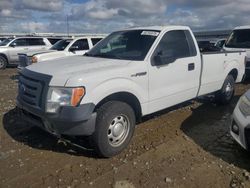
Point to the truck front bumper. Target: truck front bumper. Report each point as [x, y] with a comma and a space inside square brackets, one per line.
[72, 121]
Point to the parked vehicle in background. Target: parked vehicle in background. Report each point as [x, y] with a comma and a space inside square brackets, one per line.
[54, 40]
[66, 47]
[240, 40]
[207, 46]
[9, 48]
[2, 39]
[129, 74]
[220, 43]
[240, 127]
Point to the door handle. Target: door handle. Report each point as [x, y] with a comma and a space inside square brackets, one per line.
[191, 66]
[26, 48]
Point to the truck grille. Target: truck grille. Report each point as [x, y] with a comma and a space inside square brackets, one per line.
[32, 88]
[24, 60]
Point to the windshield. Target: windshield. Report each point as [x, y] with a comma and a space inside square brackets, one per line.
[239, 39]
[128, 45]
[61, 45]
[5, 41]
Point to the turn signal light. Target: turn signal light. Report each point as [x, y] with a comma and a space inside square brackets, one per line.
[77, 95]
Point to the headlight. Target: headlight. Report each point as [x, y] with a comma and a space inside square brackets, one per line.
[244, 106]
[34, 59]
[58, 97]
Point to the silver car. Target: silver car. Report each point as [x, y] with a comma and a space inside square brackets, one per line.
[240, 127]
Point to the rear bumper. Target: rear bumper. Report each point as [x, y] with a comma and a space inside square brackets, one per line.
[72, 121]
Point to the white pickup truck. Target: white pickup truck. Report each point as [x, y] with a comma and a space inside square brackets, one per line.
[63, 48]
[129, 74]
[240, 40]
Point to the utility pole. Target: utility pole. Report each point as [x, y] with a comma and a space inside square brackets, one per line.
[67, 19]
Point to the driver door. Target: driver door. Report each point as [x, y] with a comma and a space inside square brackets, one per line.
[79, 47]
[177, 79]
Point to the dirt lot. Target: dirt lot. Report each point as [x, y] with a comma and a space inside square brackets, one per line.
[182, 147]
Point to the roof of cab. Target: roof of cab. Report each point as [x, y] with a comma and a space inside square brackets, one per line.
[242, 27]
[159, 28]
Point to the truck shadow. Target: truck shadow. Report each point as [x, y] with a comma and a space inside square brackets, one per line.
[208, 126]
[39, 139]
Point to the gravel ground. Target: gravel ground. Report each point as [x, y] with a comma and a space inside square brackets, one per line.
[186, 146]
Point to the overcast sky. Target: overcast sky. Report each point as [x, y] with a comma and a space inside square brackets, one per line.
[103, 16]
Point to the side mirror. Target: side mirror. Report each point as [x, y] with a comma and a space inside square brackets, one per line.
[73, 48]
[161, 59]
[13, 44]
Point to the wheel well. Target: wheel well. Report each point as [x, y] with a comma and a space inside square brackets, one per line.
[126, 97]
[3, 55]
[234, 73]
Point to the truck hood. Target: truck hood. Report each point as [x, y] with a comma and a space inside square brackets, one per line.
[37, 52]
[50, 55]
[65, 68]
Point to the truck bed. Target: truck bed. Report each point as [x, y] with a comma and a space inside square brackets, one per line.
[215, 63]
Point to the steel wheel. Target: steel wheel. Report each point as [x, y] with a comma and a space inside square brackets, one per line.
[118, 130]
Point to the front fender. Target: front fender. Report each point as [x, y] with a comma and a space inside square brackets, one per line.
[113, 86]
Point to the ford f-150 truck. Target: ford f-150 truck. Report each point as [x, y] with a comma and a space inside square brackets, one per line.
[129, 74]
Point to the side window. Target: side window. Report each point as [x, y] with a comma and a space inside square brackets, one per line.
[81, 44]
[119, 42]
[36, 42]
[176, 44]
[19, 42]
[95, 40]
[191, 44]
[54, 40]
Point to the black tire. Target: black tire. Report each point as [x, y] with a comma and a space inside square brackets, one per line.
[3, 62]
[226, 94]
[108, 125]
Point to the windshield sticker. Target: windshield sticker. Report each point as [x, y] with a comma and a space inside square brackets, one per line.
[150, 33]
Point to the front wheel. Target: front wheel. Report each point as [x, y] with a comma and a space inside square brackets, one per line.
[3, 62]
[115, 126]
[226, 94]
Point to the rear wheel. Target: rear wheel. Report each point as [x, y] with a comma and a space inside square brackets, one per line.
[226, 94]
[3, 62]
[115, 126]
